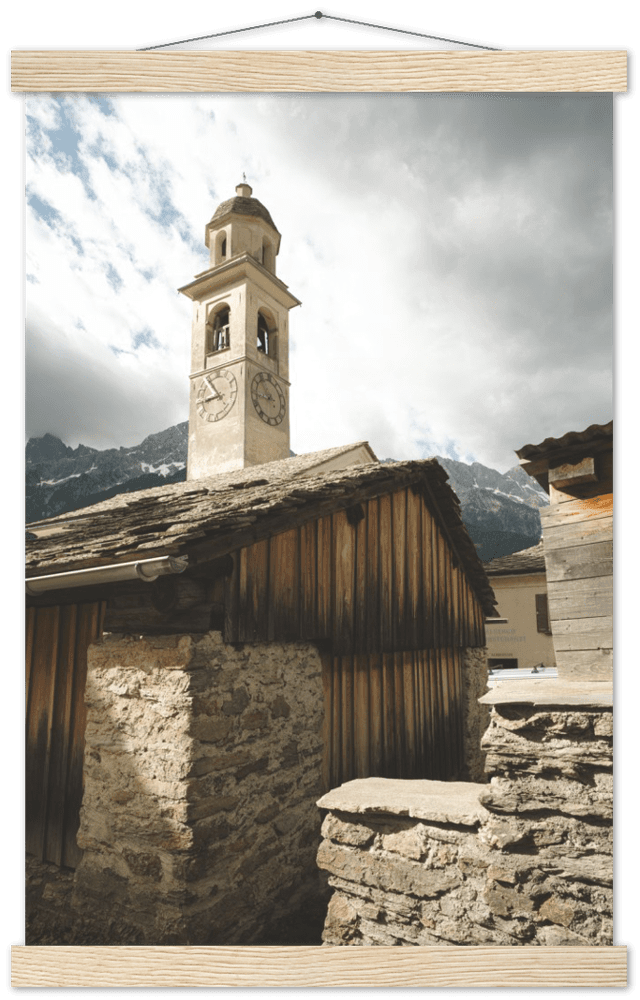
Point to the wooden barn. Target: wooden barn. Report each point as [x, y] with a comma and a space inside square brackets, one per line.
[577, 472]
[345, 613]
[372, 564]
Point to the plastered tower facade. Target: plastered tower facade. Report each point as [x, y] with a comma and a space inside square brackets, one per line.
[239, 382]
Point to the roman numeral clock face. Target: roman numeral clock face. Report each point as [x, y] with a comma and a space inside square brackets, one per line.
[268, 399]
[216, 395]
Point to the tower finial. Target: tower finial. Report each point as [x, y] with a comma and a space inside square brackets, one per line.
[244, 190]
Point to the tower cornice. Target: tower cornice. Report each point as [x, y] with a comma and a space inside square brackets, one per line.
[242, 266]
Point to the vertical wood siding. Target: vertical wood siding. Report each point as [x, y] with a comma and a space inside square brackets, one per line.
[393, 715]
[382, 582]
[381, 587]
[56, 668]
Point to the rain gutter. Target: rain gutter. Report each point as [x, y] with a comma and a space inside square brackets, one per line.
[141, 569]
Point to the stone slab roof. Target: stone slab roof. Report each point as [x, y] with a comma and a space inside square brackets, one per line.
[525, 561]
[550, 445]
[233, 509]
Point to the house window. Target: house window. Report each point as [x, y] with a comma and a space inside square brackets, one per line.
[542, 614]
[218, 331]
[503, 664]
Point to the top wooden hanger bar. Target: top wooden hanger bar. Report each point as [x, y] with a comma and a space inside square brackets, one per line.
[373, 71]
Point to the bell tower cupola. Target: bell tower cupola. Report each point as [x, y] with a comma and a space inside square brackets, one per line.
[239, 382]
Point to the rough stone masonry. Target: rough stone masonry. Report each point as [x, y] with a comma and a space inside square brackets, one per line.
[523, 860]
[202, 766]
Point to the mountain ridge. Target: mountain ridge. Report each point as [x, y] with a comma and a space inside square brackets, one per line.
[500, 510]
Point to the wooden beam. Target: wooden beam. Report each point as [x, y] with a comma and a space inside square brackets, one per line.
[177, 605]
[573, 474]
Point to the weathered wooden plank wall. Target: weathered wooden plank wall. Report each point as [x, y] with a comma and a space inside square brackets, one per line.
[393, 715]
[578, 532]
[57, 642]
[380, 577]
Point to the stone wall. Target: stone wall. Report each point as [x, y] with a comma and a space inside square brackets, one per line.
[476, 715]
[48, 889]
[524, 860]
[202, 766]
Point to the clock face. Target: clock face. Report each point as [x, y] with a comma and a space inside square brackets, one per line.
[268, 399]
[216, 395]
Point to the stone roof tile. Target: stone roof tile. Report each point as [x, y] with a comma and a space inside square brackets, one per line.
[525, 561]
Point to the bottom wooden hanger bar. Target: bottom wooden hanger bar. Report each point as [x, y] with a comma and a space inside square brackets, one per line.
[316, 966]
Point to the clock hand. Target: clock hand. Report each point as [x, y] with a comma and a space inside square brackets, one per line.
[216, 394]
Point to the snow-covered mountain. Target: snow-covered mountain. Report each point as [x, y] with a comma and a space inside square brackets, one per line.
[501, 511]
[60, 478]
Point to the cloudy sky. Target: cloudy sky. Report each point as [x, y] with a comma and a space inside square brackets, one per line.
[453, 256]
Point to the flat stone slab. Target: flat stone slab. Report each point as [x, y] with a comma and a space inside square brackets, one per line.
[439, 801]
[550, 691]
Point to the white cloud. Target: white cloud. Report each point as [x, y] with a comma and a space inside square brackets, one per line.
[452, 257]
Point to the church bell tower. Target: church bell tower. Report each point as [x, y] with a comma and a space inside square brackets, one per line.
[239, 382]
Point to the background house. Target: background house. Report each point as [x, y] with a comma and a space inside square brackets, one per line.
[520, 586]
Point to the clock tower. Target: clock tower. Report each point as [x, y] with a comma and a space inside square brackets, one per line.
[239, 382]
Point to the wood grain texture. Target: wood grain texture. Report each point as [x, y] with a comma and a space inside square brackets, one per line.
[377, 71]
[325, 967]
[576, 511]
[579, 562]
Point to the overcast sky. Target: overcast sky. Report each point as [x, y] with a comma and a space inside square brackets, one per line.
[453, 256]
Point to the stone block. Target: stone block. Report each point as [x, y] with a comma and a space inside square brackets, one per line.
[238, 702]
[344, 832]
[559, 936]
[209, 729]
[257, 719]
[389, 873]
[280, 708]
[253, 767]
[410, 842]
[505, 902]
[148, 866]
[557, 911]
[446, 802]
